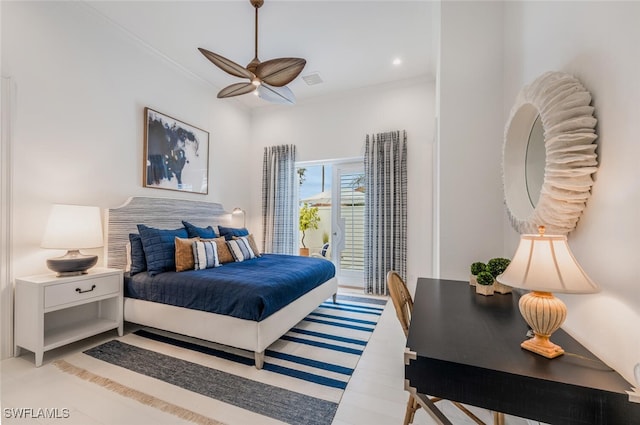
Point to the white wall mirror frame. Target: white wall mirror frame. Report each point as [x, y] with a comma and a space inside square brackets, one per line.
[563, 106]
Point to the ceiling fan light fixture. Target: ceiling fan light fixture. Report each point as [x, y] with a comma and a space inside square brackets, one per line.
[274, 73]
[282, 95]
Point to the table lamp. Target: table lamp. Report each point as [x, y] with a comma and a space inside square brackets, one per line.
[544, 264]
[73, 227]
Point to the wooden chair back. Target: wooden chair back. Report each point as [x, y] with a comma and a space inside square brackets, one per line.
[403, 303]
[401, 298]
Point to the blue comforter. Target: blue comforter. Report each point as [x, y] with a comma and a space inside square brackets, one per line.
[252, 289]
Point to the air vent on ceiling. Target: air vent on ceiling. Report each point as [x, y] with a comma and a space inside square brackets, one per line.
[312, 79]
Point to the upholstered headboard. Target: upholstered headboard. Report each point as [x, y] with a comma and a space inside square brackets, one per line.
[163, 213]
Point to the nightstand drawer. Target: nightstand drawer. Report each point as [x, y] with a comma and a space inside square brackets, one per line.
[70, 292]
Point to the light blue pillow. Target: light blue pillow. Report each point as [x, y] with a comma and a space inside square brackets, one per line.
[205, 255]
[230, 232]
[160, 248]
[199, 232]
[240, 249]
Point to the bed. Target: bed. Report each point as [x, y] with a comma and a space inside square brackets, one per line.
[253, 331]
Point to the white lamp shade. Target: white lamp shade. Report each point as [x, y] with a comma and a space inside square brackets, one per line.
[73, 227]
[545, 263]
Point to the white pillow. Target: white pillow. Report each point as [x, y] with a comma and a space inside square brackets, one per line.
[241, 249]
[205, 255]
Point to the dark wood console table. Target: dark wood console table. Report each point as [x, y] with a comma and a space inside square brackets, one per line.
[467, 349]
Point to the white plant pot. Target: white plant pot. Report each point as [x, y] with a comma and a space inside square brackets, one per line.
[501, 288]
[484, 289]
[473, 280]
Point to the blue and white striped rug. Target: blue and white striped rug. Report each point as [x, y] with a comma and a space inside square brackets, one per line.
[304, 375]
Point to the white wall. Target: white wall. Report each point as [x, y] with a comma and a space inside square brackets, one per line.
[82, 85]
[336, 128]
[470, 210]
[598, 43]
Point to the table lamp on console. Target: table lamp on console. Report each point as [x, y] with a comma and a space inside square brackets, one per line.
[73, 227]
[544, 264]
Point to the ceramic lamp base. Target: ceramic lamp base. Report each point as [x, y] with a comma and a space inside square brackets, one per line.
[541, 345]
[73, 263]
[544, 313]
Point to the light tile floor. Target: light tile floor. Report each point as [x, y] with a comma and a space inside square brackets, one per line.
[374, 396]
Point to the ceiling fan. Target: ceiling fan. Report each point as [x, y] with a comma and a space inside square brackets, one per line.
[268, 79]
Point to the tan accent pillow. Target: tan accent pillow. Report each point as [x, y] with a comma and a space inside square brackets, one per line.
[224, 255]
[253, 245]
[184, 254]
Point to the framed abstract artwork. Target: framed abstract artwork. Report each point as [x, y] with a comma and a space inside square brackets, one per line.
[176, 154]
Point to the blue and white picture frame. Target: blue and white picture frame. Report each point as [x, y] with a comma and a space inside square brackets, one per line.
[176, 154]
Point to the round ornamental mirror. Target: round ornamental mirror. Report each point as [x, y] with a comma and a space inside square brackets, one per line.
[549, 154]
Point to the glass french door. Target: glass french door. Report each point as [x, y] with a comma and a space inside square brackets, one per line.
[347, 223]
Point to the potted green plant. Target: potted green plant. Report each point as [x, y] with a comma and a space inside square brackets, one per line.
[476, 268]
[485, 283]
[309, 219]
[496, 266]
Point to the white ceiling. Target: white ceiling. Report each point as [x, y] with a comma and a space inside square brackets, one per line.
[351, 44]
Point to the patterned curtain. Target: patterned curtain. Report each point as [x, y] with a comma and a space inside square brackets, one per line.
[279, 185]
[385, 236]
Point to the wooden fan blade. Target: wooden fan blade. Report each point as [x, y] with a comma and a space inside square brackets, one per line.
[282, 95]
[236, 90]
[228, 66]
[280, 72]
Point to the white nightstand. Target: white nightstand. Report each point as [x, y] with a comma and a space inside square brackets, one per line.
[54, 311]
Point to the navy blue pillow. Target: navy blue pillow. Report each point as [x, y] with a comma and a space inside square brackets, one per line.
[230, 232]
[199, 232]
[138, 262]
[160, 248]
